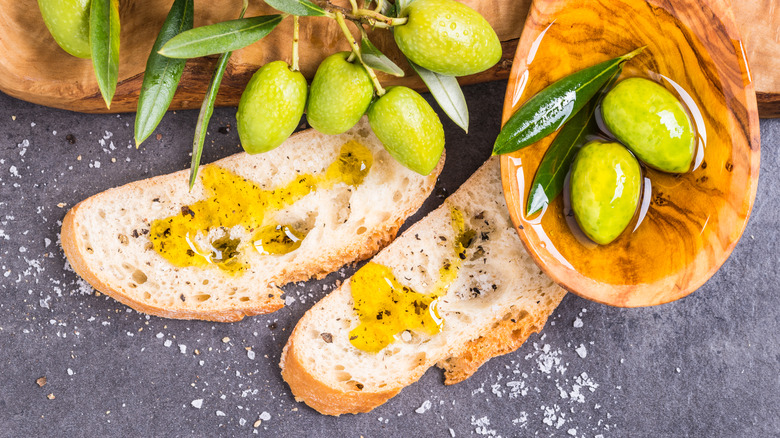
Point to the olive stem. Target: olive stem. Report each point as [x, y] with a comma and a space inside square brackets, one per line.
[375, 18]
[379, 5]
[295, 44]
[366, 16]
[356, 51]
[354, 6]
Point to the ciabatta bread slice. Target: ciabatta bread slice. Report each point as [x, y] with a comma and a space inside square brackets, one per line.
[499, 298]
[107, 241]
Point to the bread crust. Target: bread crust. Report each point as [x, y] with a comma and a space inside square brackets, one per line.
[321, 397]
[325, 263]
[75, 253]
[506, 336]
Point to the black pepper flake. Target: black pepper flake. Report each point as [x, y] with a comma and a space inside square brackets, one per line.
[71, 138]
[223, 129]
[729, 166]
[272, 326]
[352, 338]
[187, 211]
[480, 216]
[359, 386]
[135, 233]
[484, 236]
[327, 337]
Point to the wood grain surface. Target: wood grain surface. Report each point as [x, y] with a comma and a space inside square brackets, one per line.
[35, 69]
[693, 220]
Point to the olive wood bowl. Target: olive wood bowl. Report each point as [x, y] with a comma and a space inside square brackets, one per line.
[690, 223]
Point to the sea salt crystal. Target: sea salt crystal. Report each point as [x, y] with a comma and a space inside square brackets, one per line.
[167, 343]
[581, 351]
[220, 414]
[265, 416]
[197, 403]
[424, 407]
[182, 349]
[578, 323]
[250, 354]
[481, 426]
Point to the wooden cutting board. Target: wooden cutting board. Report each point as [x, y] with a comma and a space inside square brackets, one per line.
[35, 69]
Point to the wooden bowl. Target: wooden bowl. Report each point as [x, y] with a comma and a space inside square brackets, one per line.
[692, 221]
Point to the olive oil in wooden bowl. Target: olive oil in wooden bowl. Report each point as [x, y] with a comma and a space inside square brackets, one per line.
[686, 224]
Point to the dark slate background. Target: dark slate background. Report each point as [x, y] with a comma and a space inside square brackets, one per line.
[705, 366]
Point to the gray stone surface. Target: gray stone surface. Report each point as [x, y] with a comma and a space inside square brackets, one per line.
[705, 366]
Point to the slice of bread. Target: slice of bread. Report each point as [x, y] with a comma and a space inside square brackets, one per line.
[107, 240]
[499, 298]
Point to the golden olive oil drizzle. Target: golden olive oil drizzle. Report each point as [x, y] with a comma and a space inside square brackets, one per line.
[234, 201]
[386, 307]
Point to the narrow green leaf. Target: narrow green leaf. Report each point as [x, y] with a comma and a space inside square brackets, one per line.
[226, 36]
[206, 110]
[447, 92]
[400, 5]
[303, 8]
[162, 74]
[377, 60]
[549, 109]
[388, 9]
[551, 174]
[104, 45]
[548, 182]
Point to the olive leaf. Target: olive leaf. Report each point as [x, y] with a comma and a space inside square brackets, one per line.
[447, 92]
[377, 60]
[388, 9]
[207, 108]
[162, 74]
[226, 36]
[303, 8]
[400, 5]
[551, 173]
[104, 45]
[549, 109]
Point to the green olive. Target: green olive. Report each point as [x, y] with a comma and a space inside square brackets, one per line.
[605, 185]
[650, 121]
[409, 129]
[271, 107]
[68, 23]
[340, 94]
[447, 37]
